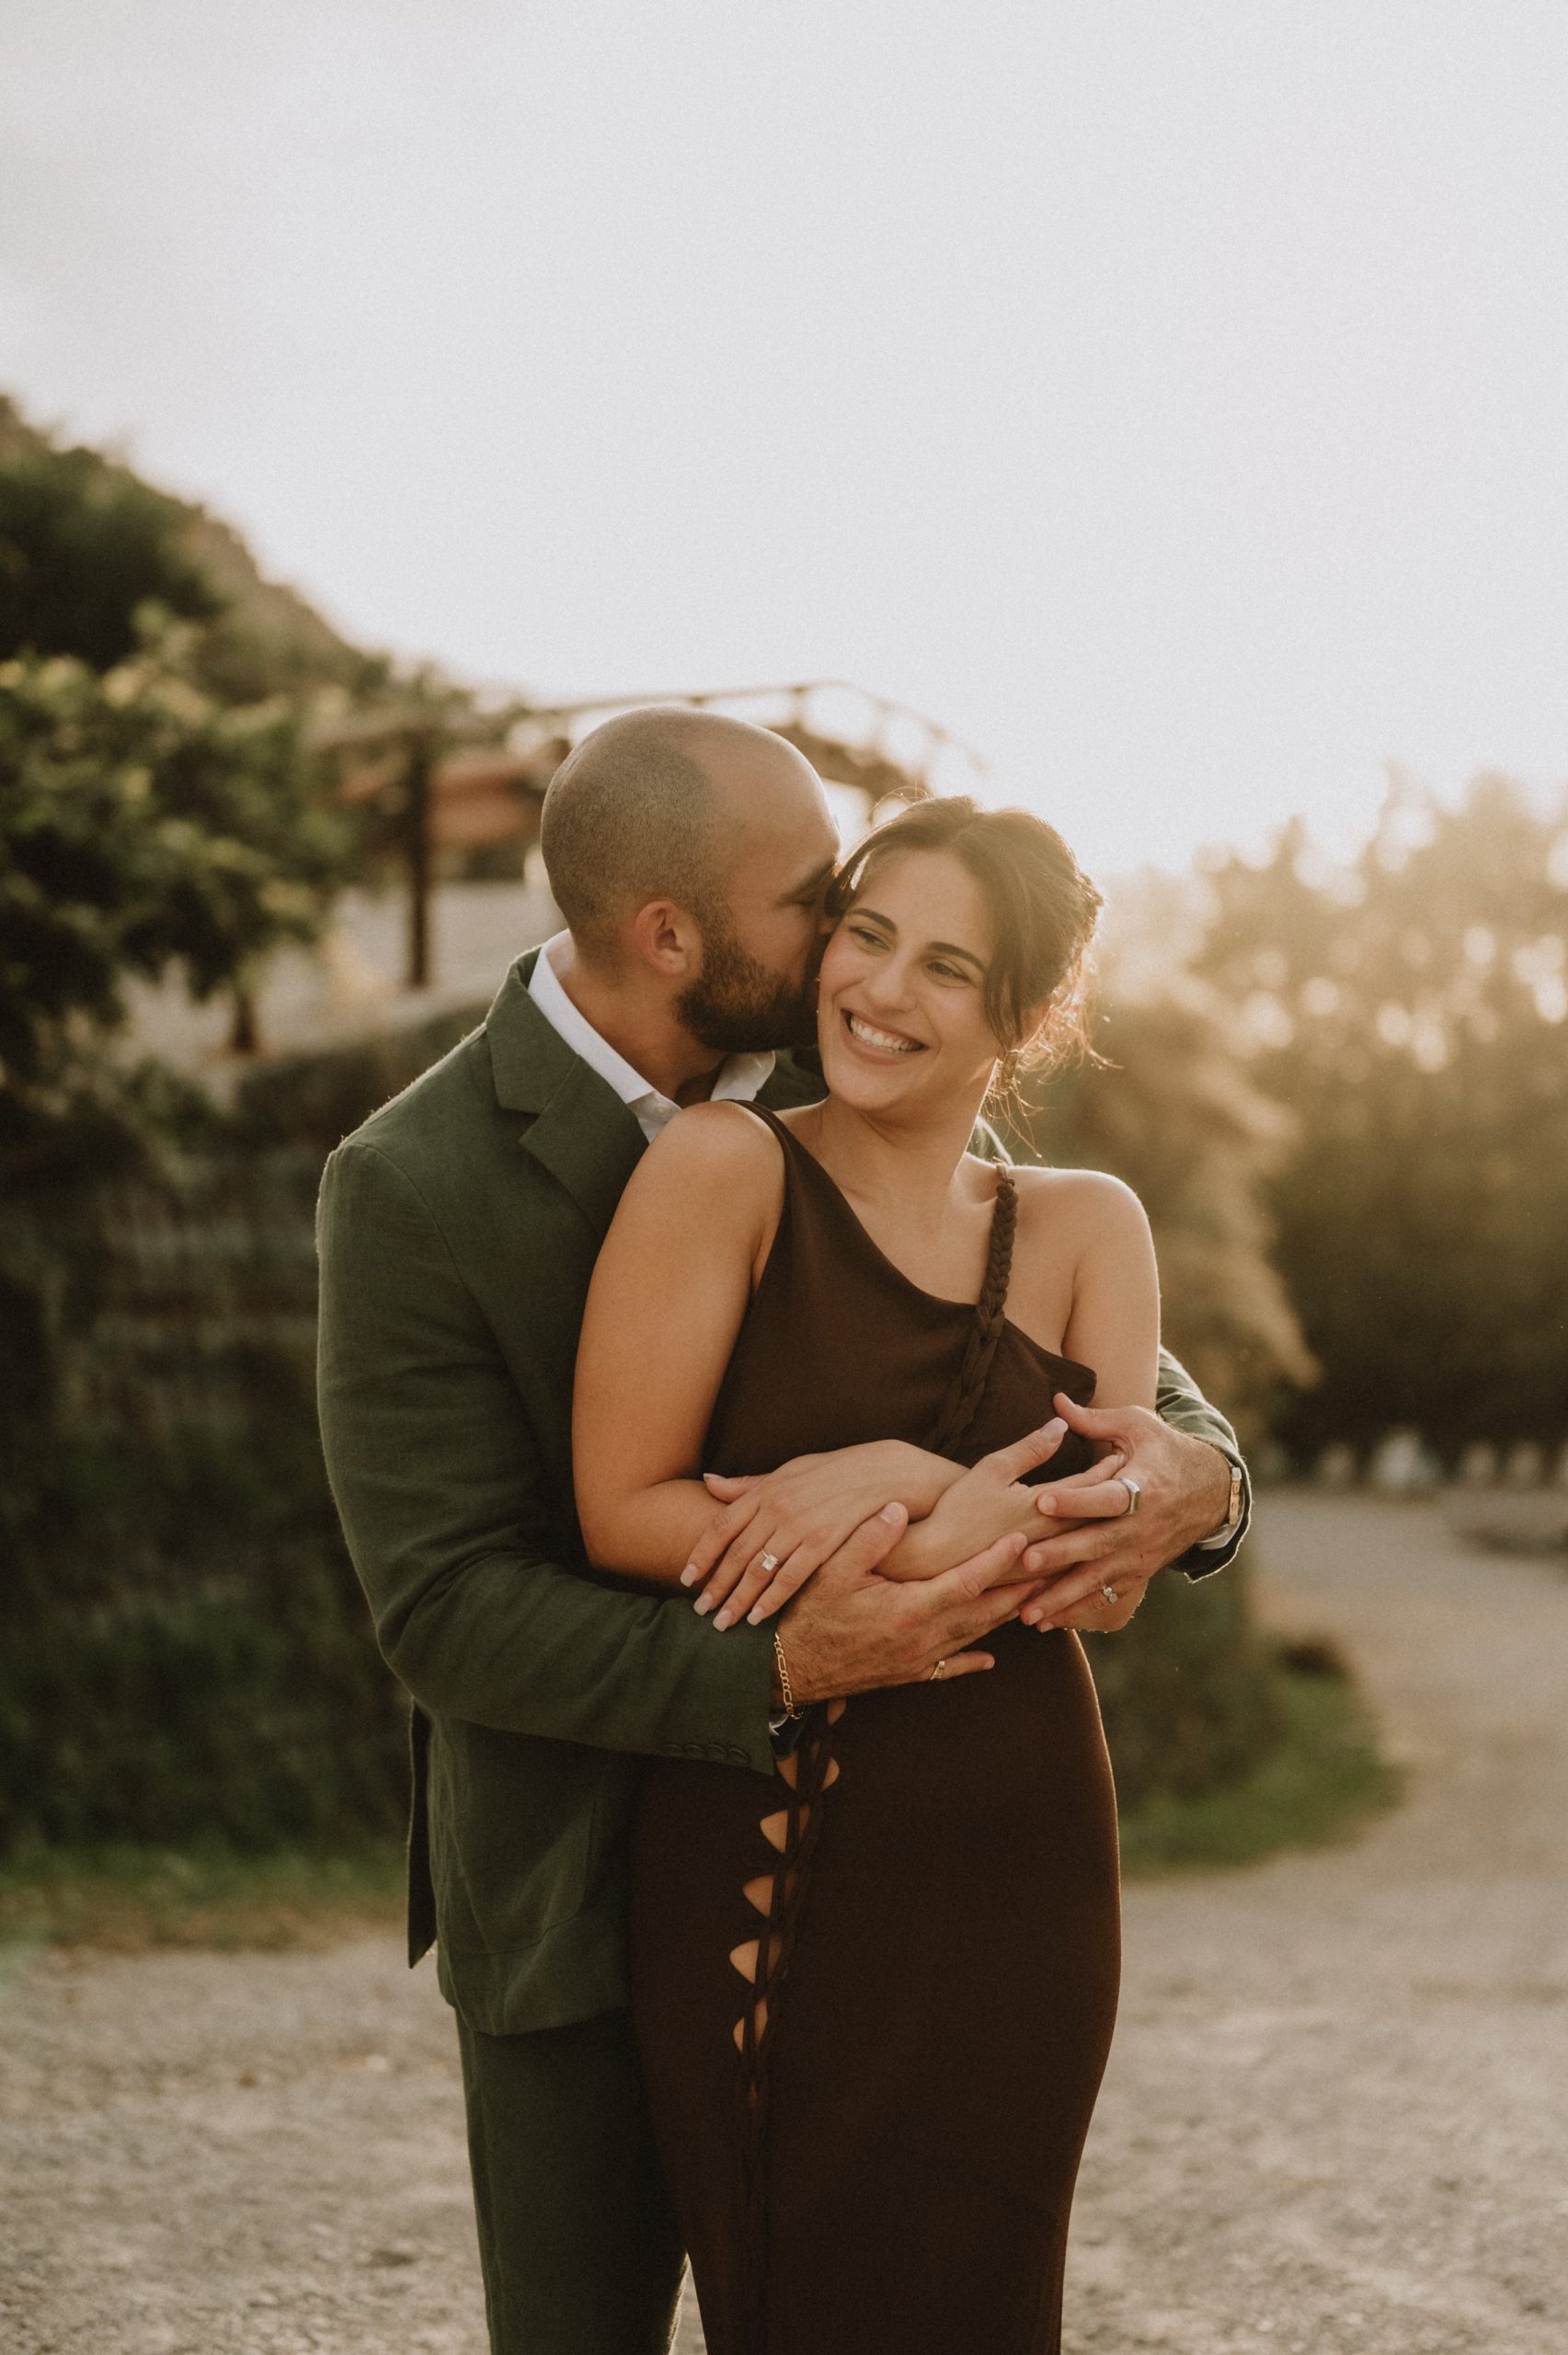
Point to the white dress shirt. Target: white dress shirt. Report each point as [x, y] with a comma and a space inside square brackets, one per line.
[739, 1079]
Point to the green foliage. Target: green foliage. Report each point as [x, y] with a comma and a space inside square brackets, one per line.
[82, 546]
[188, 1656]
[143, 824]
[1412, 1013]
[1320, 1781]
[187, 1650]
[1187, 1690]
[127, 1898]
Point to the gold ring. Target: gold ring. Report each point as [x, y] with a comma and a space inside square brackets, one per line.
[935, 1676]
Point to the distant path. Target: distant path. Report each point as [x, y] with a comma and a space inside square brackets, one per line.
[1336, 2119]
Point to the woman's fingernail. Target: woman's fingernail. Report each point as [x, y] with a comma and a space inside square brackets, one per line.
[895, 1513]
[754, 1616]
[722, 1620]
[1030, 1618]
[1054, 1428]
[703, 1603]
[689, 1575]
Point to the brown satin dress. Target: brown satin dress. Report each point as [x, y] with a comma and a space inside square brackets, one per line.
[886, 2158]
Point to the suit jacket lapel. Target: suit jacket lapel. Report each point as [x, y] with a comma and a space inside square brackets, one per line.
[578, 1128]
[797, 1078]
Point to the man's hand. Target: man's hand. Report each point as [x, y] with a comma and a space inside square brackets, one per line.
[1185, 1486]
[851, 1631]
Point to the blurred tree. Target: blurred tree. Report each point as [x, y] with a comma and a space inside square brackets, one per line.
[1412, 1012]
[82, 546]
[143, 824]
[85, 543]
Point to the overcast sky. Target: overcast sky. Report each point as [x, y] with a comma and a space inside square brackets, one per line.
[1171, 398]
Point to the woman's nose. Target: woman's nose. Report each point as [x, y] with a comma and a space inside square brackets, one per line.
[888, 985]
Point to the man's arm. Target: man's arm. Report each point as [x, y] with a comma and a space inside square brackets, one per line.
[1182, 1403]
[454, 1532]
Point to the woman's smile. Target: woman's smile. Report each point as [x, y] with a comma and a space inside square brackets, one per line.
[876, 1041]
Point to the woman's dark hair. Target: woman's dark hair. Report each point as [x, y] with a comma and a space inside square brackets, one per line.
[1043, 911]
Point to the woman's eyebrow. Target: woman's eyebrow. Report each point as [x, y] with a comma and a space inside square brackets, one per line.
[936, 947]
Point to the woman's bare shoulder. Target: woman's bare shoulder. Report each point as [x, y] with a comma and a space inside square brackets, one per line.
[1085, 1205]
[712, 1146]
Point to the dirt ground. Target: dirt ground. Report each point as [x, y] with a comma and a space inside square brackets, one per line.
[1336, 2117]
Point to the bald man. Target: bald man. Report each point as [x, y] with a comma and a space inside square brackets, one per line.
[689, 856]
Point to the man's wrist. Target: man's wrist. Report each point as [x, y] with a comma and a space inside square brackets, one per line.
[784, 1700]
[1226, 1528]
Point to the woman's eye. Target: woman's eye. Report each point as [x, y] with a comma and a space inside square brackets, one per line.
[867, 938]
[948, 972]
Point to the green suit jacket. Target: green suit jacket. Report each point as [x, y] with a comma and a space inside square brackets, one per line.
[457, 1231]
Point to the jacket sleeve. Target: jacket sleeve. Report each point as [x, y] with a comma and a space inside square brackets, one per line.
[454, 1523]
[1182, 1403]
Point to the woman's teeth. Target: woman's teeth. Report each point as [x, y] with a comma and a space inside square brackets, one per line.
[887, 1040]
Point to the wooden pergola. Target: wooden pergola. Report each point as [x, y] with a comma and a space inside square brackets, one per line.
[442, 776]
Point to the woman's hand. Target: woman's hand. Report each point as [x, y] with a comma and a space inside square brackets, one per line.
[776, 1528]
[982, 1504]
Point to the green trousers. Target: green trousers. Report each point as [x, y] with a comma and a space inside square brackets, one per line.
[577, 2243]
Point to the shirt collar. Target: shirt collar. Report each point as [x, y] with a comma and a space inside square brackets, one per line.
[739, 1079]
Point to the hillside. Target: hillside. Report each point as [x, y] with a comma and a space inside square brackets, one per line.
[285, 640]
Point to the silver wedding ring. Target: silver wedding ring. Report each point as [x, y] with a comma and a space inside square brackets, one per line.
[1134, 1493]
[1110, 1594]
[769, 1563]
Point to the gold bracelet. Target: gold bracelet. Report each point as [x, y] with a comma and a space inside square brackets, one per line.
[786, 1689]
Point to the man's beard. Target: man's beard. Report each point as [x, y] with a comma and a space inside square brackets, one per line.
[738, 1006]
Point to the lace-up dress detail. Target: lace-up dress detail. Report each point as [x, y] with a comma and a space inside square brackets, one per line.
[874, 1998]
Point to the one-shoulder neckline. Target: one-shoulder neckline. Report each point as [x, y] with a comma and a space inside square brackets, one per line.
[934, 1299]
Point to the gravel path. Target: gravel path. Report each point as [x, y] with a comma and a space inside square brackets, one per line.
[1336, 2117]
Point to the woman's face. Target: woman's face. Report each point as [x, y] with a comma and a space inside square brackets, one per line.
[900, 1011]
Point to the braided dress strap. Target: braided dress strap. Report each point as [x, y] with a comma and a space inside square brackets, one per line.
[814, 1768]
[962, 1400]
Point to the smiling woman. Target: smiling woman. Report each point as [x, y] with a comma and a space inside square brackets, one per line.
[836, 1976]
[1030, 903]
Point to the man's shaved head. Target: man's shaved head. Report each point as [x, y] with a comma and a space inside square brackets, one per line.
[653, 805]
[690, 855]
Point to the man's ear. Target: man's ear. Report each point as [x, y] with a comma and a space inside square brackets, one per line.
[666, 940]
